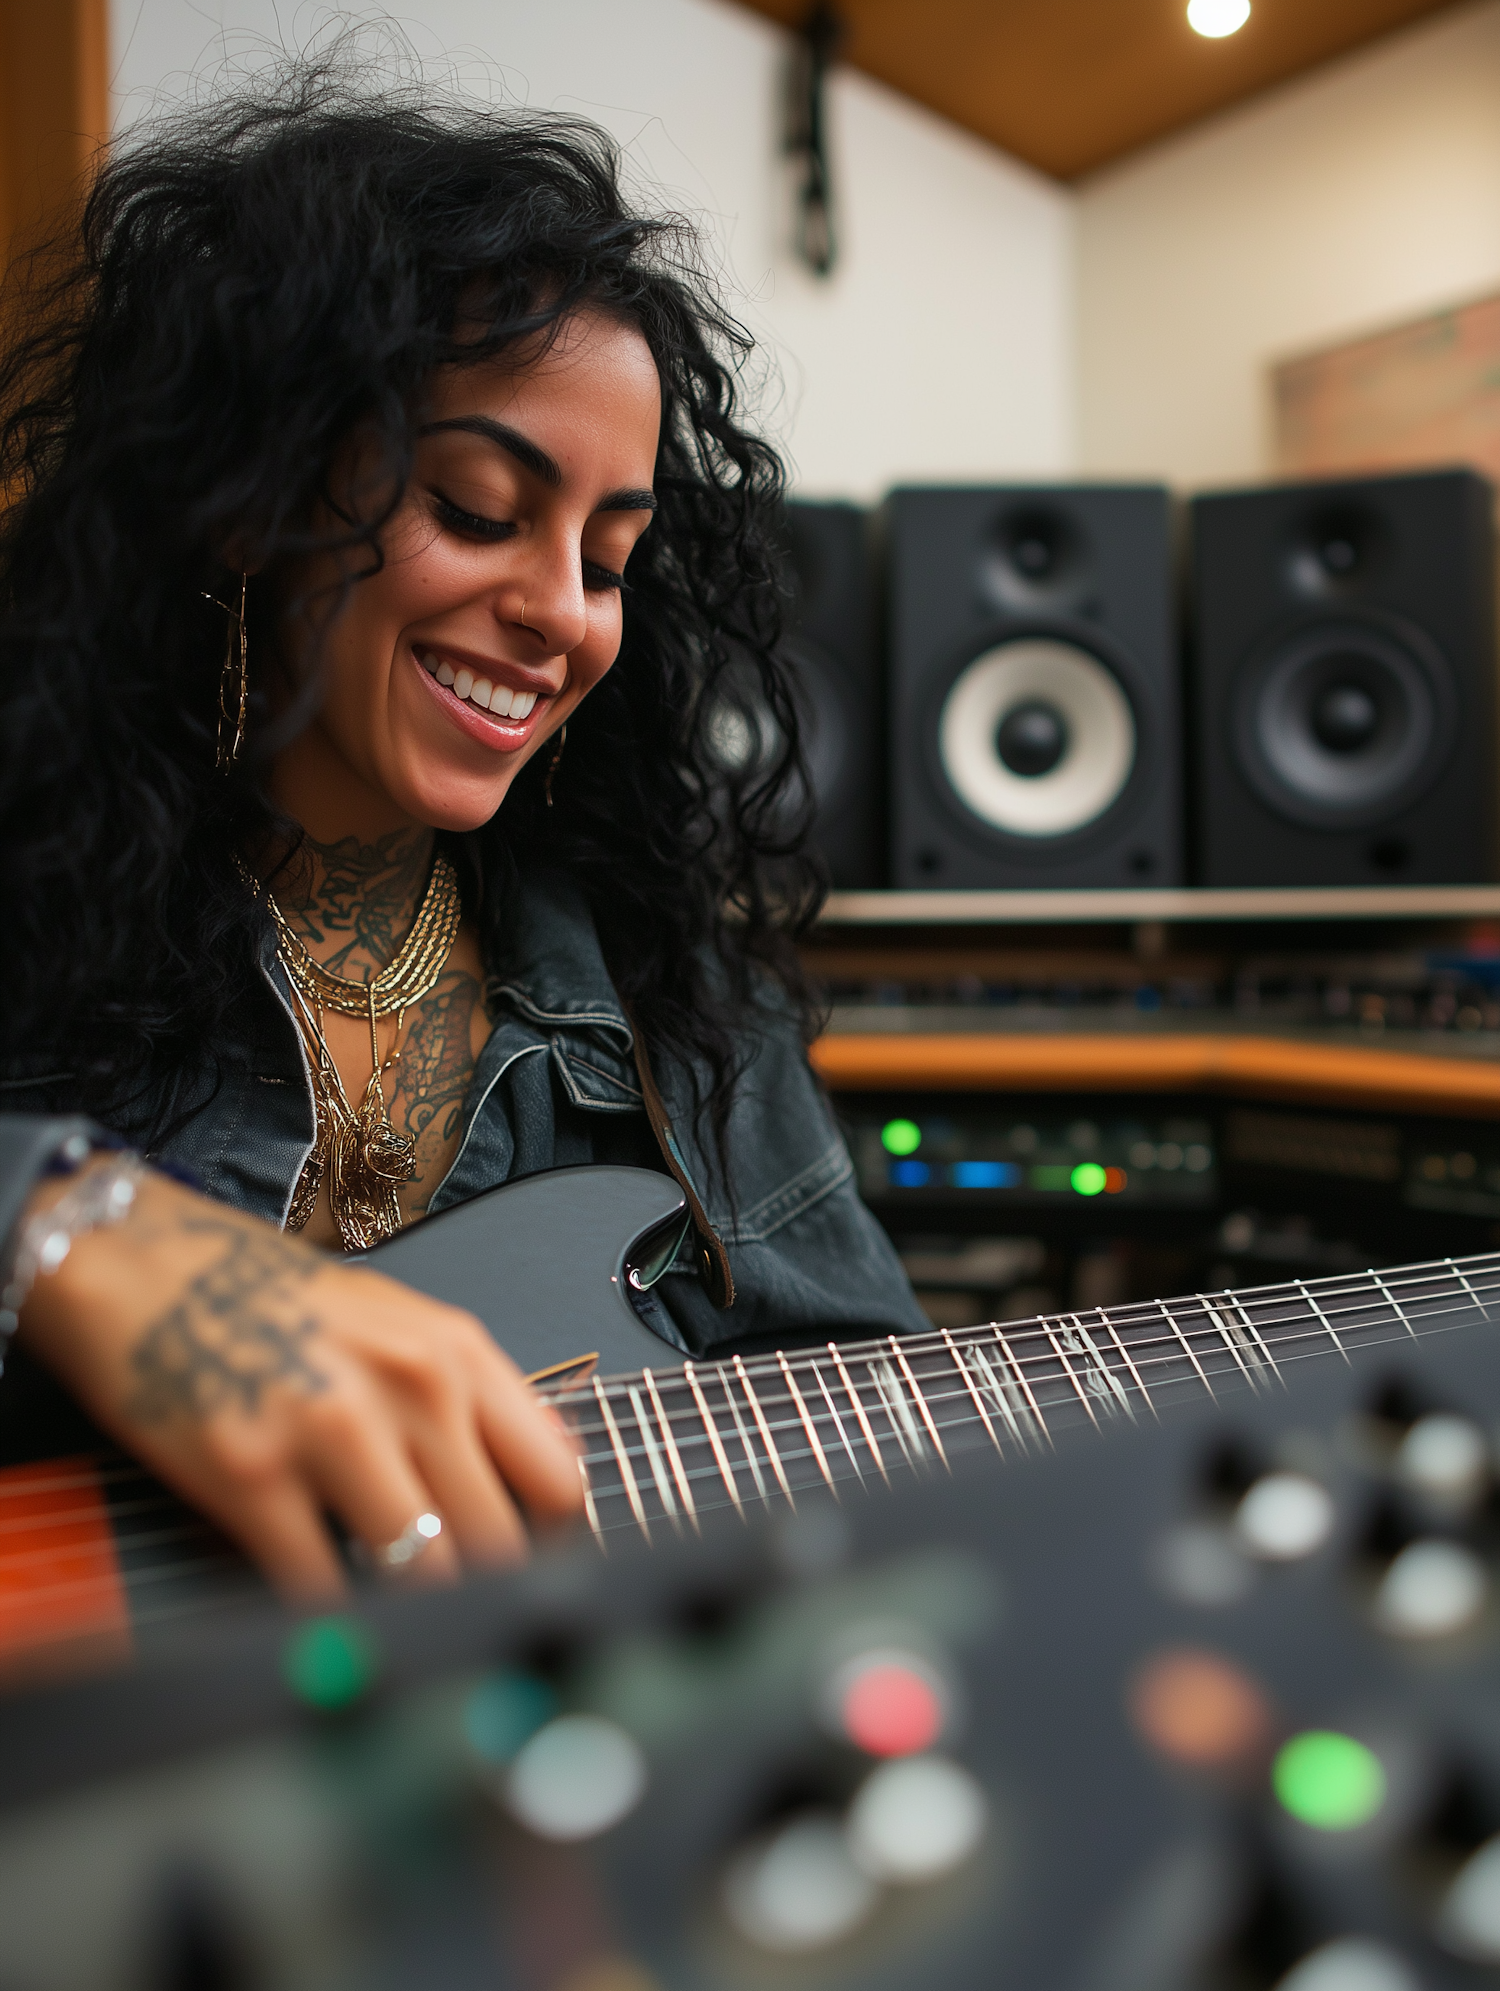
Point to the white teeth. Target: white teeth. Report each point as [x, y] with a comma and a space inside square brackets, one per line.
[501, 700]
[481, 692]
[463, 684]
[428, 662]
[444, 673]
[521, 704]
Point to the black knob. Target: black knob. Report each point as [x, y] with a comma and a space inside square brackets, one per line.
[1032, 738]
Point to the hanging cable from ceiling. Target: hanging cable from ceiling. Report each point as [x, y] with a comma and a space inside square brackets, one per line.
[813, 54]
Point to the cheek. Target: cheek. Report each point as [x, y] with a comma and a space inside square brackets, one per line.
[598, 650]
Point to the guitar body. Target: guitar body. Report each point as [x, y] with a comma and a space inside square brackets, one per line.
[546, 1263]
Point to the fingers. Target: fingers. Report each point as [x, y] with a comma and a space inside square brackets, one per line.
[365, 1475]
[280, 1529]
[527, 1440]
[482, 1520]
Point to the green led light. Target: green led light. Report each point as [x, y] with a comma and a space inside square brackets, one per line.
[1088, 1178]
[1329, 1780]
[901, 1137]
[1050, 1175]
[328, 1662]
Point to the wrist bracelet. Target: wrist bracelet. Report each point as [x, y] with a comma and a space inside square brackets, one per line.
[105, 1196]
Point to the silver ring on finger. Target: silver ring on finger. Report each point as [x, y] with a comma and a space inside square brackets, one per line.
[413, 1542]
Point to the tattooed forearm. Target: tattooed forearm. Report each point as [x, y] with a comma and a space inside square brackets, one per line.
[238, 1329]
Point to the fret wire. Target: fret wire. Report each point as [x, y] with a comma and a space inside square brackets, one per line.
[772, 1454]
[1020, 1374]
[1253, 1330]
[1401, 1312]
[1325, 1320]
[958, 1363]
[589, 1508]
[1125, 1356]
[711, 1428]
[726, 1383]
[625, 1472]
[1463, 1280]
[1187, 1346]
[1068, 1370]
[812, 1436]
[866, 1428]
[1000, 1391]
[900, 1354]
[672, 1453]
[1111, 1380]
[839, 1422]
[653, 1455]
[878, 1382]
[1211, 1312]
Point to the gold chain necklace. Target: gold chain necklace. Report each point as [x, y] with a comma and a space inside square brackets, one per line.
[358, 1152]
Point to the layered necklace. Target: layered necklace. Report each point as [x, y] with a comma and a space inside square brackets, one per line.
[356, 1150]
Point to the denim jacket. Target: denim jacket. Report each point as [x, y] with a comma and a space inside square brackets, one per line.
[556, 1084]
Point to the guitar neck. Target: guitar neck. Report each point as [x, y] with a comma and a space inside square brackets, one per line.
[662, 1446]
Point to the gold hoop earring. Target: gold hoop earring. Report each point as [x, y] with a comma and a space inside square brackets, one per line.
[562, 741]
[234, 682]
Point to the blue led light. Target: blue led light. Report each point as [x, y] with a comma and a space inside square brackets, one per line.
[985, 1174]
[910, 1174]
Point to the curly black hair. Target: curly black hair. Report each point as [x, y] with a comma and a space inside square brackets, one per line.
[257, 280]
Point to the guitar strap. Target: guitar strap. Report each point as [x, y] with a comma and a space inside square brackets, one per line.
[713, 1259]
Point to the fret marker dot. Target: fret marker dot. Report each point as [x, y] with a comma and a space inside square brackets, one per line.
[889, 1703]
[1328, 1780]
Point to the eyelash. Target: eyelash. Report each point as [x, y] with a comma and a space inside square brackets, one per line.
[492, 531]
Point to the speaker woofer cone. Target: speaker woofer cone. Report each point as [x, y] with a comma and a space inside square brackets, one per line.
[1342, 723]
[990, 745]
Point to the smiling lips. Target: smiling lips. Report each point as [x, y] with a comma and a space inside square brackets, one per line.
[475, 690]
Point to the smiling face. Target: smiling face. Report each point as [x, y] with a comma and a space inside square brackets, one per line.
[498, 607]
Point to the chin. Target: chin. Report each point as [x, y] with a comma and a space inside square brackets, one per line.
[445, 801]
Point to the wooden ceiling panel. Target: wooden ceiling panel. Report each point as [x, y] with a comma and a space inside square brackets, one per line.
[1069, 85]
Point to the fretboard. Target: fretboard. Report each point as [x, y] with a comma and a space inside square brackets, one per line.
[670, 1443]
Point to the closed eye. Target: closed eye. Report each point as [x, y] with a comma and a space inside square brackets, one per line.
[469, 524]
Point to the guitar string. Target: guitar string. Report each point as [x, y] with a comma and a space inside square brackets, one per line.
[976, 1337]
[227, 1558]
[1370, 1306]
[1374, 1295]
[957, 1394]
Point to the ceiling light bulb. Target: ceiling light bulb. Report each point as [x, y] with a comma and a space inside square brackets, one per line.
[1217, 18]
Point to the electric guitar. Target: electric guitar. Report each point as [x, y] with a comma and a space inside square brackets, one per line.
[96, 1557]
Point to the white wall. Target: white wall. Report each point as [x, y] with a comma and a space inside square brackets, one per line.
[1364, 194]
[941, 348]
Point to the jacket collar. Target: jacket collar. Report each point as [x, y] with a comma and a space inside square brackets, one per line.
[555, 980]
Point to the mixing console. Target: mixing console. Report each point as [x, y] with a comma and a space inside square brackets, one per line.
[1205, 1706]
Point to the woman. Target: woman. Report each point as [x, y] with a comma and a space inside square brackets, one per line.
[417, 884]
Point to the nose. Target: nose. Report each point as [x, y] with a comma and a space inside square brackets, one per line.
[544, 598]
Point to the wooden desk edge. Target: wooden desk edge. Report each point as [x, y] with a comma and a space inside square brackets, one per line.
[1337, 1075]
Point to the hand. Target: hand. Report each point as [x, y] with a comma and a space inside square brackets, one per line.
[269, 1384]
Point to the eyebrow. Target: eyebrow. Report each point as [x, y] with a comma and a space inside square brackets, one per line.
[531, 456]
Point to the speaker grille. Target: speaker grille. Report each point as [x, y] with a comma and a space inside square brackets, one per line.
[1036, 737]
[1339, 724]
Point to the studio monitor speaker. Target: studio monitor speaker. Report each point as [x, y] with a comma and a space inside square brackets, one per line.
[1343, 679]
[832, 651]
[1034, 691]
